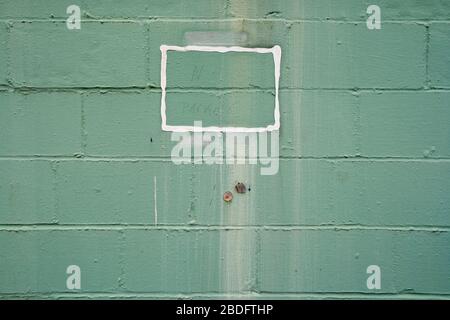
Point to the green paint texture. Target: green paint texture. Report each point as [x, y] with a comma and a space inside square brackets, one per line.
[86, 176]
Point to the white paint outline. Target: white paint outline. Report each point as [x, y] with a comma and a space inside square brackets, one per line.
[276, 52]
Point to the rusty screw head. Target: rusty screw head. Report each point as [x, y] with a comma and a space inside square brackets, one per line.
[227, 196]
[240, 187]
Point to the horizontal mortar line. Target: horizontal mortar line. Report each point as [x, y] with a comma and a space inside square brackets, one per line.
[362, 292]
[156, 88]
[131, 158]
[219, 90]
[79, 88]
[153, 19]
[287, 88]
[367, 158]
[147, 89]
[130, 293]
[355, 293]
[350, 89]
[119, 227]
[240, 295]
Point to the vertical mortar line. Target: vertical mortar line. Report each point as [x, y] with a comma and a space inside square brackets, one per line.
[427, 56]
[357, 122]
[83, 131]
[192, 215]
[257, 264]
[8, 25]
[147, 50]
[155, 202]
[54, 169]
[332, 192]
[122, 240]
[227, 7]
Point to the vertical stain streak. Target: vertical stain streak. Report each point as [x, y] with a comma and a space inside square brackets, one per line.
[238, 247]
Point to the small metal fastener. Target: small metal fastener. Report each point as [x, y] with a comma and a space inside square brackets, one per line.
[240, 187]
[227, 196]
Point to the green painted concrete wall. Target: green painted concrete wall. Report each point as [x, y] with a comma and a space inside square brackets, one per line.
[364, 174]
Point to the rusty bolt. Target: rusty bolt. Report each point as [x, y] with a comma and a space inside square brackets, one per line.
[240, 187]
[227, 196]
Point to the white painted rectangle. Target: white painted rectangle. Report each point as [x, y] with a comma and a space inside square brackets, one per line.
[275, 51]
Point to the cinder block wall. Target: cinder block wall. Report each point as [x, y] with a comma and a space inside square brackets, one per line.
[86, 177]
